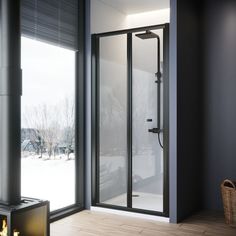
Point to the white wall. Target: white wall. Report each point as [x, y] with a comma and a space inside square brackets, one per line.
[105, 18]
[148, 18]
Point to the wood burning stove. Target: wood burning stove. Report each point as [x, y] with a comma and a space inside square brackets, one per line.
[29, 218]
[18, 216]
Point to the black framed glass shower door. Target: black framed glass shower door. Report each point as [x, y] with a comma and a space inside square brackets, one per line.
[130, 120]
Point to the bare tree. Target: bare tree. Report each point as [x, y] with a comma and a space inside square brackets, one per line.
[68, 122]
[43, 118]
[55, 125]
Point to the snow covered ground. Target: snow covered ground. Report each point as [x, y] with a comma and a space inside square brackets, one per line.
[52, 180]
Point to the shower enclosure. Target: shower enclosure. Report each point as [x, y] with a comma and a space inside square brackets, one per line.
[130, 119]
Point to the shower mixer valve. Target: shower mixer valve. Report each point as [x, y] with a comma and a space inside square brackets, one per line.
[159, 76]
[155, 130]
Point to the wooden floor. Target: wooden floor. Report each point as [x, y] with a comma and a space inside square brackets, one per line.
[89, 223]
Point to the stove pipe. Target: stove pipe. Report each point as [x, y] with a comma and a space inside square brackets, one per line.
[10, 102]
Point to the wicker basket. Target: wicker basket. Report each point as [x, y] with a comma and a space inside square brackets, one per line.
[228, 190]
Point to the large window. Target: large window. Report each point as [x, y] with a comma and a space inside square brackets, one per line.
[48, 123]
[48, 136]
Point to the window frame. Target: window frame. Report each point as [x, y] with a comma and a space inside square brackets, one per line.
[80, 74]
[80, 121]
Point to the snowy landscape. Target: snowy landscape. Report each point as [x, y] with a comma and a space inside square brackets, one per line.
[52, 180]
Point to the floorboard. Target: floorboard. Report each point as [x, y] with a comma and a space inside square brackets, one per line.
[88, 223]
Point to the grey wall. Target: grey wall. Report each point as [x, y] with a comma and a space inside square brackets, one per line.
[87, 87]
[173, 114]
[206, 103]
[189, 99]
[186, 88]
[219, 98]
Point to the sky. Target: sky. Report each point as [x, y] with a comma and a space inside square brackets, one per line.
[48, 74]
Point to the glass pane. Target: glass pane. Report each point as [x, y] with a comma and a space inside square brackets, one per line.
[147, 153]
[113, 120]
[48, 123]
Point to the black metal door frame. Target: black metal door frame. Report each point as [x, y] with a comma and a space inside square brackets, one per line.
[96, 122]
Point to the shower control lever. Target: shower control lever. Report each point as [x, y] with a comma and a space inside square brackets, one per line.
[154, 130]
[158, 75]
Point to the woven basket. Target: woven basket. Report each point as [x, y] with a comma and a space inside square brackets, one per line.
[228, 190]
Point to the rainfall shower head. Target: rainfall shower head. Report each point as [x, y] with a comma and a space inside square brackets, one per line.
[147, 35]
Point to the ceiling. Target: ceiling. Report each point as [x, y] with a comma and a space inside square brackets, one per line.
[137, 6]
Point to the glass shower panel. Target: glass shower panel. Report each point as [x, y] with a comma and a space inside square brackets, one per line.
[147, 153]
[113, 120]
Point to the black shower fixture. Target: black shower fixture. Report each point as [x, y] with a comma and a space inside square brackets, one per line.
[150, 35]
[147, 35]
